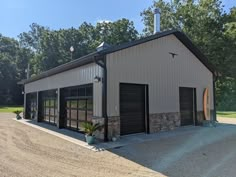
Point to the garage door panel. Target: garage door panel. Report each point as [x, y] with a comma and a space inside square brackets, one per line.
[132, 116]
[187, 105]
[132, 108]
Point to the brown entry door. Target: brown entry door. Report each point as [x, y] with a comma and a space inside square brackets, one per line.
[187, 105]
[132, 108]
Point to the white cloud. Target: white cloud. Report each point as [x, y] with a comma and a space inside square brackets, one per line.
[104, 21]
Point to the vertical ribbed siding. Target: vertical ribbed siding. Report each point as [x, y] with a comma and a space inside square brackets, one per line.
[78, 76]
[150, 63]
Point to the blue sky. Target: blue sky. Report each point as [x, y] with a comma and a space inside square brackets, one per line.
[17, 15]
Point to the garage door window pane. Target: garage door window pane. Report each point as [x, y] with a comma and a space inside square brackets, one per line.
[56, 112]
[81, 116]
[82, 104]
[47, 103]
[68, 123]
[82, 91]
[46, 117]
[90, 104]
[74, 92]
[89, 91]
[89, 116]
[52, 112]
[74, 104]
[47, 111]
[73, 124]
[51, 103]
[68, 104]
[68, 113]
[73, 114]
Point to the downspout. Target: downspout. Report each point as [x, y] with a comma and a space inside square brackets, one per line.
[102, 64]
[215, 78]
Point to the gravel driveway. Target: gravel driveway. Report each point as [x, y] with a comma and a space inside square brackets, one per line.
[28, 152]
[204, 152]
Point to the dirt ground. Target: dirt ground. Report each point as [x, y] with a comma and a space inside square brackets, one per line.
[203, 152]
[27, 152]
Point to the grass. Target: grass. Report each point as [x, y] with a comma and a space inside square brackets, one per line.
[228, 114]
[10, 108]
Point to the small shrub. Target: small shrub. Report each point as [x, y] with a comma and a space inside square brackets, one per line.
[17, 112]
[90, 128]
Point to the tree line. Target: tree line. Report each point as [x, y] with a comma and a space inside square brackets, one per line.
[203, 21]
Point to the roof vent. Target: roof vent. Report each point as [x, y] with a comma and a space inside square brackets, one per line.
[103, 46]
[157, 20]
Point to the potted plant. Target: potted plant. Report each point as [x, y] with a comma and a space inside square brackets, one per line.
[89, 129]
[17, 112]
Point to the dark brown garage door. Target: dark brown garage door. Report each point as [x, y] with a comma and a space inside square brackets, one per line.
[132, 108]
[187, 105]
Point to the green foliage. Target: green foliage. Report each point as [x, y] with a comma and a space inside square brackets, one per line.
[226, 114]
[51, 47]
[226, 94]
[13, 59]
[90, 128]
[17, 112]
[10, 109]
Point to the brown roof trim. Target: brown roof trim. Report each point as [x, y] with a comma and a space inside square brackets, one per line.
[90, 57]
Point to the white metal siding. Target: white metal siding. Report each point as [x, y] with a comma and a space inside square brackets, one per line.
[78, 76]
[150, 63]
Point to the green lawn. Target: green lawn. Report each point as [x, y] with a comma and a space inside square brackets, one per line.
[10, 108]
[228, 114]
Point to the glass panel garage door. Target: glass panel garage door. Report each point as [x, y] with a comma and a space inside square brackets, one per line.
[79, 106]
[31, 107]
[49, 106]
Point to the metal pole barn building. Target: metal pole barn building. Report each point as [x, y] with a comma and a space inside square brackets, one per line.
[145, 86]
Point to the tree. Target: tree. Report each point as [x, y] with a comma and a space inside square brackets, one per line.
[32, 38]
[51, 47]
[117, 32]
[13, 62]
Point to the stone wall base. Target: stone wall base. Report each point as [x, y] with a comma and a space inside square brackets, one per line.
[163, 121]
[201, 117]
[113, 127]
[157, 122]
[99, 134]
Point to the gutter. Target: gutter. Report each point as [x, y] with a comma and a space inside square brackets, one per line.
[102, 64]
